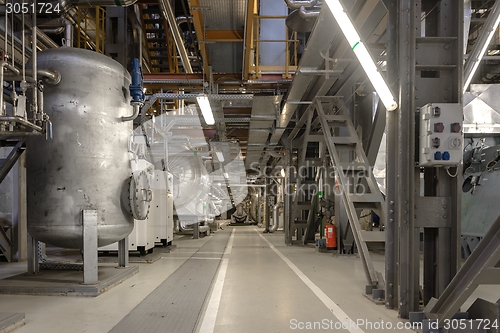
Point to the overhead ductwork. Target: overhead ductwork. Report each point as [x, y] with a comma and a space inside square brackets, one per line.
[296, 4]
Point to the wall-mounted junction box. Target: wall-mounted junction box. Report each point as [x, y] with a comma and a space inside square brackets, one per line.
[441, 135]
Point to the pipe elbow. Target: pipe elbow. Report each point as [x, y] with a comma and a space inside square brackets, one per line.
[306, 14]
[137, 108]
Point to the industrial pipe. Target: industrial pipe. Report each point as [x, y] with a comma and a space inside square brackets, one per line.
[4, 64]
[68, 4]
[276, 209]
[168, 14]
[311, 13]
[53, 31]
[295, 4]
[68, 31]
[137, 108]
[50, 75]
[57, 26]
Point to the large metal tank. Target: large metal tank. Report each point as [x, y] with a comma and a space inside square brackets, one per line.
[86, 165]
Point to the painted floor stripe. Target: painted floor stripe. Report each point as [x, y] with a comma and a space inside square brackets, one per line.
[208, 323]
[331, 305]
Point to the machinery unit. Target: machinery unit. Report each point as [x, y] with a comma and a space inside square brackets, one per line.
[441, 135]
[86, 165]
[162, 207]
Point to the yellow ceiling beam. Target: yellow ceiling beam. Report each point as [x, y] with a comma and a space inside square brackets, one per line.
[224, 35]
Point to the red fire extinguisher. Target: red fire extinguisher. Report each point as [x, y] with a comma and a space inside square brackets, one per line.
[331, 236]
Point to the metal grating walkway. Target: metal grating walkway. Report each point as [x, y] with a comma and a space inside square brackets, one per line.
[175, 306]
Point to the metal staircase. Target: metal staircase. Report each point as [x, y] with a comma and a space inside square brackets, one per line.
[303, 222]
[354, 175]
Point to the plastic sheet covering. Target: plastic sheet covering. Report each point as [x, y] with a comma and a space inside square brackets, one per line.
[203, 185]
[379, 167]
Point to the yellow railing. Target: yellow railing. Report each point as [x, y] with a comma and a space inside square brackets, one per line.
[290, 44]
[91, 26]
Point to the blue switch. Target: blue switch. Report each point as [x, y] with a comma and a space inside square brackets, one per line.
[437, 156]
[446, 156]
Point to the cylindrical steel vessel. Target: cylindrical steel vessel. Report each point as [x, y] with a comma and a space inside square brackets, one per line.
[86, 166]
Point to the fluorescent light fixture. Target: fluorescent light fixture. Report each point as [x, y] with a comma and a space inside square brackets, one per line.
[220, 156]
[206, 109]
[283, 174]
[481, 45]
[362, 54]
[226, 176]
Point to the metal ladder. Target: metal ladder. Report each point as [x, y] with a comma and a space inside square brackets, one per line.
[358, 187]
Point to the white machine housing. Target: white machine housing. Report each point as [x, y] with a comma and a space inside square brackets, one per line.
[441, 135]
[162, 207]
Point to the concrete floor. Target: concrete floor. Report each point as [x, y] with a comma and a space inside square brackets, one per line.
[262, 289]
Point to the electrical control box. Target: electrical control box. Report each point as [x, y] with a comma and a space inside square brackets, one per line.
[441, 135]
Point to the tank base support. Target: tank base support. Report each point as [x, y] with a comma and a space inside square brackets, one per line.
[90, 262]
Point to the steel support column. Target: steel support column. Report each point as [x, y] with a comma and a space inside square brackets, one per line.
[408, 267]
[391, 225]
[287, 193]
[429, 63]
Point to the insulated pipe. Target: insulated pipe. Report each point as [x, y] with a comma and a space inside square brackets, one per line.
[276, 209]
[168, 14]
[312, 13]
[295, 4]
